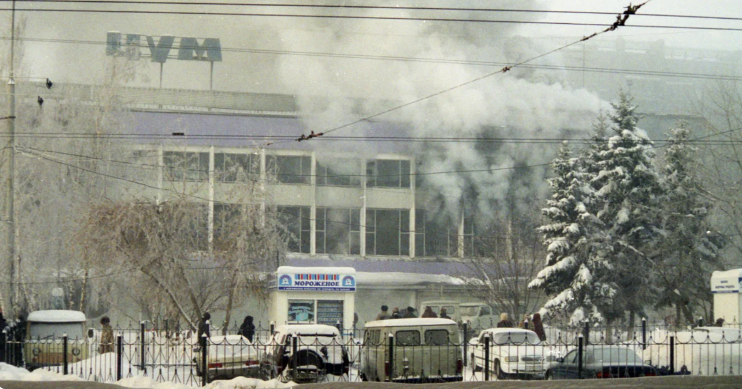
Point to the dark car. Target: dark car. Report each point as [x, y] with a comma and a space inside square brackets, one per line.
[319, 351]
[601, 362]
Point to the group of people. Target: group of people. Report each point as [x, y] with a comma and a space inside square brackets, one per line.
[409, 313]
[529, 323]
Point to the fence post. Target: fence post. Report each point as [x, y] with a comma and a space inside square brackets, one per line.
[466, 328]
[273, 328]
[391, 356]
[142, 344]
[644, 333]
[486, 362]
[167, 329]
[204, 357]
[672, 354]
[294, 356]
[580, 343]
[586, 333]
[65, 356]
[119, 357]
[700, 321]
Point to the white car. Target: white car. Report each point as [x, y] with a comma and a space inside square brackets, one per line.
[514, 353]
[228, 357]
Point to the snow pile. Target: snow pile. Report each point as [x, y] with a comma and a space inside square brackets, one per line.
[12, 373]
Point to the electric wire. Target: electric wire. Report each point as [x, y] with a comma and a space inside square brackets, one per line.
[637, 72]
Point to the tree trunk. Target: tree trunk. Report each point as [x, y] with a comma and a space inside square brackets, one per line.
[230, 299]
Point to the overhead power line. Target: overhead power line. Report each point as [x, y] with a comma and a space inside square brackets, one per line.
[636, 72]
[396, 8]
[366, 17]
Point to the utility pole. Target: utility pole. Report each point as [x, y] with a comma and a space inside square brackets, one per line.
[11, 163]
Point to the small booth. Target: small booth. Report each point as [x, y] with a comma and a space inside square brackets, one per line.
[314, 295]
[725, 285]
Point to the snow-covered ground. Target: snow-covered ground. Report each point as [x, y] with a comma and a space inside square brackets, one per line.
[12, 373]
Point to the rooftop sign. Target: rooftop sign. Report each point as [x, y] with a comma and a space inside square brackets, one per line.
[159, 47]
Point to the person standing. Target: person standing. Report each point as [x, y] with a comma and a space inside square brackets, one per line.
[429, 313]
[203, 329]
[247, 329]
[106, 336]
[504, 321]
[538, 326]
[444, 314]
[395, 313]
[524, 323]
[410, 314]
[384, 314]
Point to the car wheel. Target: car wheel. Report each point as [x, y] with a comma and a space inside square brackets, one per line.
[498, 370]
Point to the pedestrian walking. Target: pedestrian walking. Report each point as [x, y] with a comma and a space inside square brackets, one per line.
[247, 329]
[504, 322]
[106, 336]
[384, 314]
[410, 314]
[429, 313]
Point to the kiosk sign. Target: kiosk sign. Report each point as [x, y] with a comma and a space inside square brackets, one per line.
[317, 282]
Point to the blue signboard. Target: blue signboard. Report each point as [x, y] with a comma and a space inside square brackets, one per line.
[316, 282]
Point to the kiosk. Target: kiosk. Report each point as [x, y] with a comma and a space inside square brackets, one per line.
[314, 295]
[725, 285]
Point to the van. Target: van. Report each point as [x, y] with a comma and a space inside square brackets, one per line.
[424, 350]
[478, 316]
[44, 338]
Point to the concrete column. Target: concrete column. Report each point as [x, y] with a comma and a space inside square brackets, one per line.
[460, 237]
[313, 209]
[160, 173]
[211, 199]
[363, 208]
[412, 207]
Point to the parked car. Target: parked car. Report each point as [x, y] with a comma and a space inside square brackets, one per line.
[44, 337]
[601, 362]
[228, 357]
[514, 353]
[477, 316]
[320, 351]
[425, 350]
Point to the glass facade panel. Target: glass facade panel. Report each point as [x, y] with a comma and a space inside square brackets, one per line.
[296, 221]
[293, 169]
[339, 172]
[385, 234]
[388, 173]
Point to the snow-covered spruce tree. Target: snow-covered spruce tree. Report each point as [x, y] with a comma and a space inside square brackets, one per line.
[689, 250]
[572, 278]
[627, 191]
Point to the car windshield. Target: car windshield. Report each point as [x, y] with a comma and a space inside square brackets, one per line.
[516, 338]
[613, 355]
[55, 330]
[469, 311]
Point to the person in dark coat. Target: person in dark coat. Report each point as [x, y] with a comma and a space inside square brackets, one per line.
[247, 329]
[410, 314]
[504, 322]
[384, 314]
[429, 313]
[444, 314]
[3, 337]
[719, 322]
[20, 337]
[203, 329]
[395, 313]
[538, 326]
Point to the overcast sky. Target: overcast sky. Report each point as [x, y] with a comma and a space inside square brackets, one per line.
[79, 62]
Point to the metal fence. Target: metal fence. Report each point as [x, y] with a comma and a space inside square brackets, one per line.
[175, 355]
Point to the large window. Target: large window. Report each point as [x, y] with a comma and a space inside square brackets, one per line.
[338, 231]
[190, 166]
[290, 169]
[296, 220]
[387, 232]
[229, 167]
[388, 173]
[339, 172]
[198, 228]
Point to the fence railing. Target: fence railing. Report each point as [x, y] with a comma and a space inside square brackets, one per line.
[412, 356]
